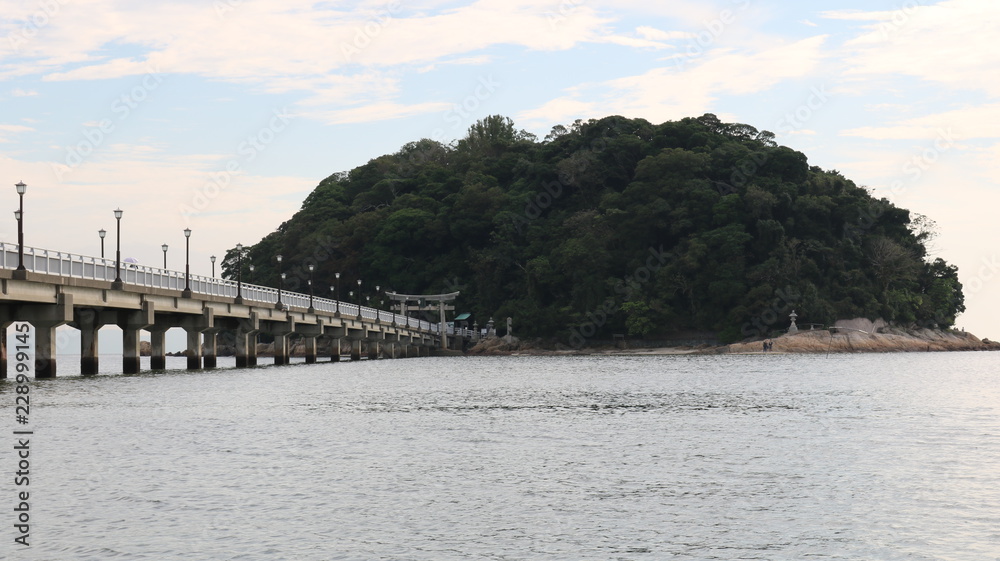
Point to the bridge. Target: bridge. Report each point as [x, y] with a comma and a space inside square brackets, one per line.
[56, 288]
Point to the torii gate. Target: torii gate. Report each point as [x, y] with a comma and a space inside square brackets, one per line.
[423, 305]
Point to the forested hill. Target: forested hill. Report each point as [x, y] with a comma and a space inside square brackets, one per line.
[617, 226]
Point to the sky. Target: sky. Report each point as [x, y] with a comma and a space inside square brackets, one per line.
[222, 115]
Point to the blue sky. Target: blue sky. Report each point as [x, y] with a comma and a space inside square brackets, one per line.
[222, 115]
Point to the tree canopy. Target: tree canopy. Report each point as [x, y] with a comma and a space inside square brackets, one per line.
[617, 225]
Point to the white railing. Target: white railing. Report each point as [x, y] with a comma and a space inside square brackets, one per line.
[97, 268]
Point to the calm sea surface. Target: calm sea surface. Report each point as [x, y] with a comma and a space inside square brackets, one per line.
[859, 457]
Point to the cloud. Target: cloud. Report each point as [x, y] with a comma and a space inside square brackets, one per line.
[668, 93]
[18, 92]
[7, 132]
[950, 43]
[964, 123]
[382, 111]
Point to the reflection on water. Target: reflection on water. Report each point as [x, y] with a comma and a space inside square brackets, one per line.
[637, 458]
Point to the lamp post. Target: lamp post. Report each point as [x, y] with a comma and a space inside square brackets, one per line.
[377, 295]
[21, 188]
[187, 263]
[359, 296]
[251, 267]
[118, 284]
[212, 259]
[337, 294]
[312, 268]
[102, 232]
[281, 282]
[239, 273]
[164, 247]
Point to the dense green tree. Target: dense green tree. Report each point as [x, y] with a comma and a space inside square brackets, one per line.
[618, 225]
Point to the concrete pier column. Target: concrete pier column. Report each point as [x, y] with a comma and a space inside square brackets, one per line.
[131, 322]
[89, 322]
[211, 345]
[158, 349]
[252, 349]
[246, 341]
[281, 349]
[241, 348]
[310, 344]
[335, 350]
[131, 362]
[3, 352]
[45, 351]
[356, 350]
[193, 349]
[45, 318]
[373, 349]
[195, 326]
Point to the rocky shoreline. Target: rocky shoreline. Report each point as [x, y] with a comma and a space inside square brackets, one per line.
[836, 340]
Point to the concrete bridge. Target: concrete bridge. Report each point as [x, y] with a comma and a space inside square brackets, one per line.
[57, 288]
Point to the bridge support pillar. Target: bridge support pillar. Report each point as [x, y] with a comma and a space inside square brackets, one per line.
[89, 324]
[158, 348]
[195, 326]
[356, 350]
[281, 349]
[246, 341]
[211, 345]
[45, 318]
[373, 349]
[310, 344]
[335, 350]
[45, 351]
[131, 322]
[3, 352]
[193, 349]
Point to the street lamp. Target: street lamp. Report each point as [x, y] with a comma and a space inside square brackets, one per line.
[102, 232]
[281, 282]
[377, 294]
[337, 294]
[359, 296]
[251, 267]
[212, 258]
[187, 263]
[118, 284]
[164, 247]
[21, 188]
[312, 267]
[239, 273]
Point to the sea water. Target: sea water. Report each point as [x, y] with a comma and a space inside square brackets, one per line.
[890, 456]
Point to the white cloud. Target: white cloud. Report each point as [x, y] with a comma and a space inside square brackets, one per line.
[381, 111]
[950, 43]
[18, 92]
[668, 93]
[965, 123]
